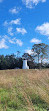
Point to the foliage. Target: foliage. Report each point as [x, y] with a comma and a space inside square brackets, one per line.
[40, 51]
[28, 57]
[10, 62]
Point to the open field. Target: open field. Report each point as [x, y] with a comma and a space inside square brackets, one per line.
[24, 90]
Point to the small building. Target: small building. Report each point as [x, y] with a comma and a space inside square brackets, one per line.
[25, 66]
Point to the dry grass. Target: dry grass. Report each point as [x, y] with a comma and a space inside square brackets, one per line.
[28, 88]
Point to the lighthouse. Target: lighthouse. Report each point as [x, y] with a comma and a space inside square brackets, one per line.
[25, 66]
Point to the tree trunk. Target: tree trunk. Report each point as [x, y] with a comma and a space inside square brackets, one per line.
[38, 61]
[38, 58]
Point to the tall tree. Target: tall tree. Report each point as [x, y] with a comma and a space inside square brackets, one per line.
[27, 56]
[18, 53]
[40, 51]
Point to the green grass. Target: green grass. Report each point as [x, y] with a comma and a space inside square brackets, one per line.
[24, 90]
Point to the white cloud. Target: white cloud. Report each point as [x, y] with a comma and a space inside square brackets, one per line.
[12, 41]
[16, 41]
[36, 41]
[48, 37]
[10, 29]
[5, 38]
[28, 51]
[43, 29]
[1, 1]
[5, 23]
[21, 30]
[19, 42]
[45, 61]
[31, 3]
[3, 44]
[16, 22]
[14, 10]
[0, 36]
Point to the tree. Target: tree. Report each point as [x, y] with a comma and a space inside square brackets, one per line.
[18, 53]
[2, 62]
[27, 56]
[40, 51]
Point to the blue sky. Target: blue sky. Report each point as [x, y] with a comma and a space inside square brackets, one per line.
[22, 24]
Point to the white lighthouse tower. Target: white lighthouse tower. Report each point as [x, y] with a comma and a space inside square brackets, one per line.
[25, 66]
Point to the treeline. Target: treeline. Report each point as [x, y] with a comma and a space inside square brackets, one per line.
[12, 62]
[39, 52]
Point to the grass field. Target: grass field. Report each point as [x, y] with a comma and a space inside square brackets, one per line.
[24, 90]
